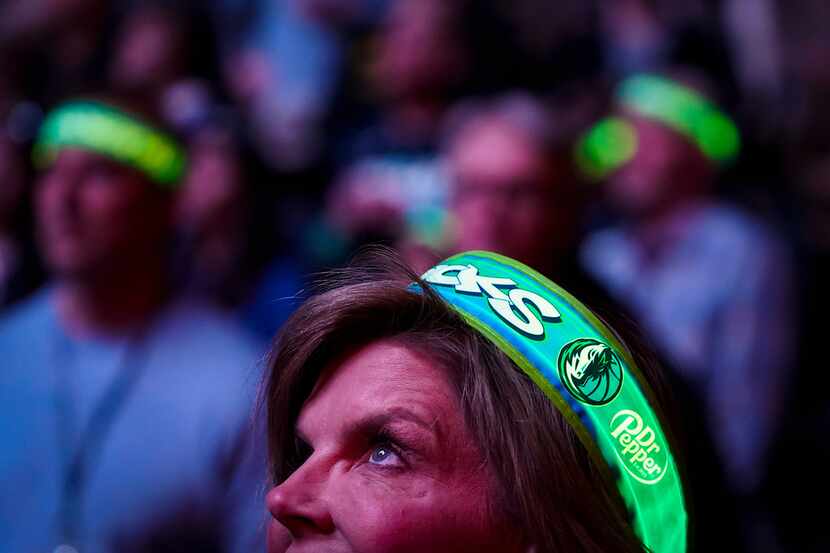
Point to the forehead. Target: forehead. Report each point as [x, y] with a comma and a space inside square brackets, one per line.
[379, 378]
[74, 159]
[651, 133]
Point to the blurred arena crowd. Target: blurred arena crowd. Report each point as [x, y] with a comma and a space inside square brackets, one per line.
[316, 127]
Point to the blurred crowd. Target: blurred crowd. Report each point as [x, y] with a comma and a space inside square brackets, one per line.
[563, 134]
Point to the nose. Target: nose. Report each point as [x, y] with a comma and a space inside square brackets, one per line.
[299, 503]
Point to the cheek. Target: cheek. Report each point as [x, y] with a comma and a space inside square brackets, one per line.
[116, 214]
[634, 184]
[531, 222]
[464, 208]
[651, 166]
[103, 202]
[477, 224]
[416, 515]
[41, 200]
[526, 233]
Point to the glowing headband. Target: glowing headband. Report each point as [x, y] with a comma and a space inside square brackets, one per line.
[587, 374]
[612, 142]
[107, 130]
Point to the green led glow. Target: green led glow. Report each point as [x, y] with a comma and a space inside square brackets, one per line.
[684, 110]
[109, 131]
[605, 147]
[586, 373]
[612, 142]
[718, 137]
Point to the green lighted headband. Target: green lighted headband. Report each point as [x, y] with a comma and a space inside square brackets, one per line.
[109, 131]
[612, 142]
[587, 374]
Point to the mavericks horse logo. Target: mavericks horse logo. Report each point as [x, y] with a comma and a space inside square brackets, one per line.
[591, 371]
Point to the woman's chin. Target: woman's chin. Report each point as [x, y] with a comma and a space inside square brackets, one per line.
[279, 539]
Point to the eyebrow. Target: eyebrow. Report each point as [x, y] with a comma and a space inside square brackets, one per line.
[374, 422]
[380, 420]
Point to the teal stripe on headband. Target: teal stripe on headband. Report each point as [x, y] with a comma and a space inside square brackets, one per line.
[585, 372]
[109, 131]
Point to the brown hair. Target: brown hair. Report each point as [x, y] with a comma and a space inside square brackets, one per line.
[548, 486]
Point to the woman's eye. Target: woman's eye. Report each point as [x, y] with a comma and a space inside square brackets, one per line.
[384, 455]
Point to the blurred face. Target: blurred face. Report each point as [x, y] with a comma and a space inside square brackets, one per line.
[211, 209]
[418, 52]
[665, 167]
[93, 213]
[212, 191]
[149, 50]
[391, 466]
[503, 198]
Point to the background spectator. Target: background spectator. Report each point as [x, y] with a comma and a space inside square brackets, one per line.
[105, 447]
[702, 277]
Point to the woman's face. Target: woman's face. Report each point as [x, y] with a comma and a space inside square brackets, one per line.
[390, 465]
